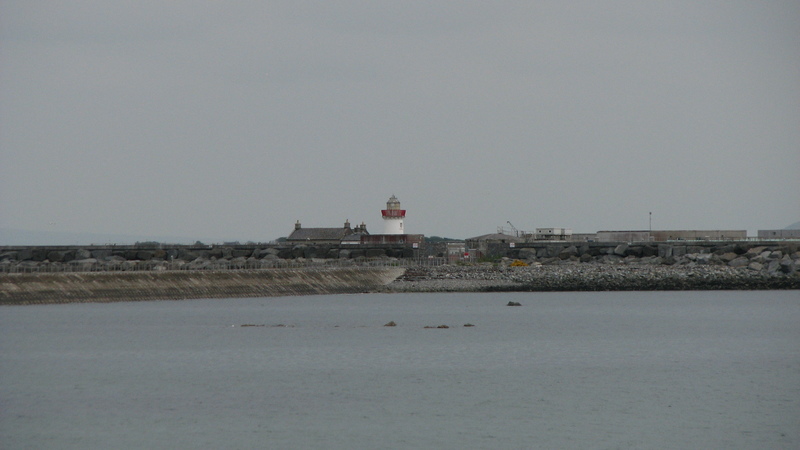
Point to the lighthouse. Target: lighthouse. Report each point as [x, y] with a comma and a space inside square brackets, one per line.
[393, 217]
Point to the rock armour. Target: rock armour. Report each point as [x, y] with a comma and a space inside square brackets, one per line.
[588, 277]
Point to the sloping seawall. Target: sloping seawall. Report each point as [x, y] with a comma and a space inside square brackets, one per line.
[20, 288]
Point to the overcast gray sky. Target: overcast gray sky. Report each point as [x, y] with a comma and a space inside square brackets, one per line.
[231, 120]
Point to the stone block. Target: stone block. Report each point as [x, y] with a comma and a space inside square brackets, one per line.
[568, 252]
[61, 256]
[9, 256]
[739, 262]
[649, 250]
[101, 254]
[554, 250]
[190, 255]
[704, 258]
[269, 251]
[298, 251]
[730, 248]
[238, 262]
[634, 250]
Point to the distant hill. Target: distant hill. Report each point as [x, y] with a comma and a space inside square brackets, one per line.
[794, 226]
[434, 239]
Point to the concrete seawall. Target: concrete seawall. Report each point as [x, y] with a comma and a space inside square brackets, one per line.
[22, 288]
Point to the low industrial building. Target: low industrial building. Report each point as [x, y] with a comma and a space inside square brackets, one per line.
[486, 245]
[671, 235]
[457, 251]
[778, 234]
[623, 236]
[553, 234]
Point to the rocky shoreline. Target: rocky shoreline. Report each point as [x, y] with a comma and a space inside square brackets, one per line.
[618, 267]
[587, 277]
[507, 276]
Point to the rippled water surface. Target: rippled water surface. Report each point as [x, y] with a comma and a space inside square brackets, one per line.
[564, 370]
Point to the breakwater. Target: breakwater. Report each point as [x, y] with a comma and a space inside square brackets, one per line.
[101, 258]
[756, 255]
[586, 277]
[52, 275]
[26, 288]
[565, 266]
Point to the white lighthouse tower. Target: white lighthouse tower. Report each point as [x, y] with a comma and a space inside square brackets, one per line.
[393, 217]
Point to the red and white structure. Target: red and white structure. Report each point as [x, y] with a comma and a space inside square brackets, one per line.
[393, 217]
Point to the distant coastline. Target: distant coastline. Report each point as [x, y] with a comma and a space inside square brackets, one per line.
[38, 288]
[125, 273]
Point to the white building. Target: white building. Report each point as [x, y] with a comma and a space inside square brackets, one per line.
[393, 217]
[553, 234]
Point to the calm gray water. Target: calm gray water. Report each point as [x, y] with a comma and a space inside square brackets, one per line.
[565, 370]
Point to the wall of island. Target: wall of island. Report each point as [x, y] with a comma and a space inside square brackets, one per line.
[117, 273]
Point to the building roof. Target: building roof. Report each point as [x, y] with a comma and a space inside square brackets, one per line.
[353, 237]
[316, 234]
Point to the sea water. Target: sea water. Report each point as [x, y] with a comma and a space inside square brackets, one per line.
[637, 370]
